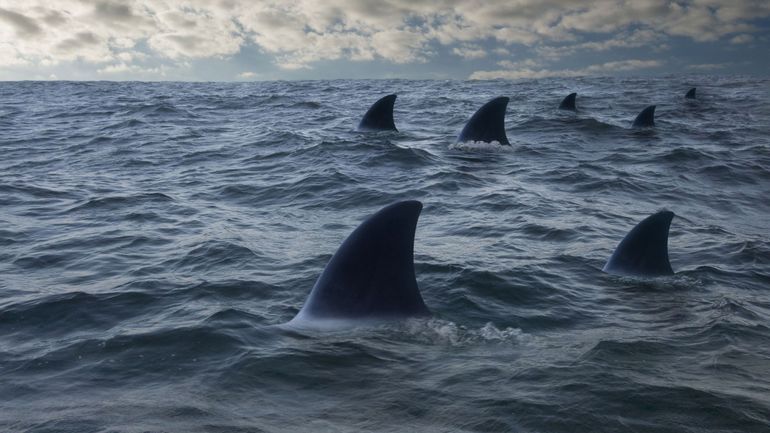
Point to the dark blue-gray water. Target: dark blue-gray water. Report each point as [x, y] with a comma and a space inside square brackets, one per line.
[153, 237]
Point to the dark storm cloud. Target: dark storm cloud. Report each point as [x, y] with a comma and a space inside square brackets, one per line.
[24, 25]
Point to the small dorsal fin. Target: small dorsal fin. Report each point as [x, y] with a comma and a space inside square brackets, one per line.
[646, 118]
[568, 103]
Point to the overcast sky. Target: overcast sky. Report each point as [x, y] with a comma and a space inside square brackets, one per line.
[226, 40]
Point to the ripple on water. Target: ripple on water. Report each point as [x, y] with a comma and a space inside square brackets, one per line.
[157, 237]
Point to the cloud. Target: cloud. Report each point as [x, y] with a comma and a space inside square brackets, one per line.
[113, 11]
[623, 65]
[470, 51]
[24, 25]
[78, 41]
[742, 39]
[707, 66]
[11, 58]
[301, 33]
[128, 69]
[527, 70]
[632, 39]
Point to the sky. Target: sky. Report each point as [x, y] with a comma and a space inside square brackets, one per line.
[247, 40]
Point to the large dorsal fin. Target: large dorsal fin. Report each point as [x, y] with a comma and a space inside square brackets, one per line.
[568, 103]
[487, 124]
[645, 118]
[644, 250]
[371, 276]
[379, 117]
[690, 94]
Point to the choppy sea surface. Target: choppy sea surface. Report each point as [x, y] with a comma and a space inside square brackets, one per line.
[154, 237]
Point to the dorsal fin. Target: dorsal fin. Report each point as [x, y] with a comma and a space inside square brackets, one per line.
[379, 117]
[644, 250]
[645, 118]
[690, 94]
[568, 103]
[371, 276]
[487, 124]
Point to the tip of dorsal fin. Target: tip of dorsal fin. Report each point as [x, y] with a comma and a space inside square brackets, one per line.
[487, 124]
[690, 94]
[379, 117]
[371, 276]
[568, 103]
[644, 250]
[645, 118]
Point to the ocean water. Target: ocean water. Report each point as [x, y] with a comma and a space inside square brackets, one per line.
[154, 237]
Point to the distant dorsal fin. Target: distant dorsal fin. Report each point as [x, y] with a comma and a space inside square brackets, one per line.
[690, 94]
[644, 250]
[371, 276]
[487, 124]
[379, 117]
[568, 103]
[645, 118]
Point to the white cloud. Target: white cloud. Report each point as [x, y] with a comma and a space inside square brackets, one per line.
[299, 33]
[123, 68]
[742, 39]
[634, 39]
[468, 51]
[526, 64]
[11, 57]
[400, 46]
[623, 65]
[707, 66]
[528, 71]
[189, 32]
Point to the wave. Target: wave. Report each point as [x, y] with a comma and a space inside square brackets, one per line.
[156, 237]
[110, 203]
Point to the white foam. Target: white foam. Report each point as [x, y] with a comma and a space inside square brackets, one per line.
[437, 331]
[431, 331]
[481, 146]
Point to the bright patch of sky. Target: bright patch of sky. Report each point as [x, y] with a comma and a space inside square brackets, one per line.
[229, 40]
